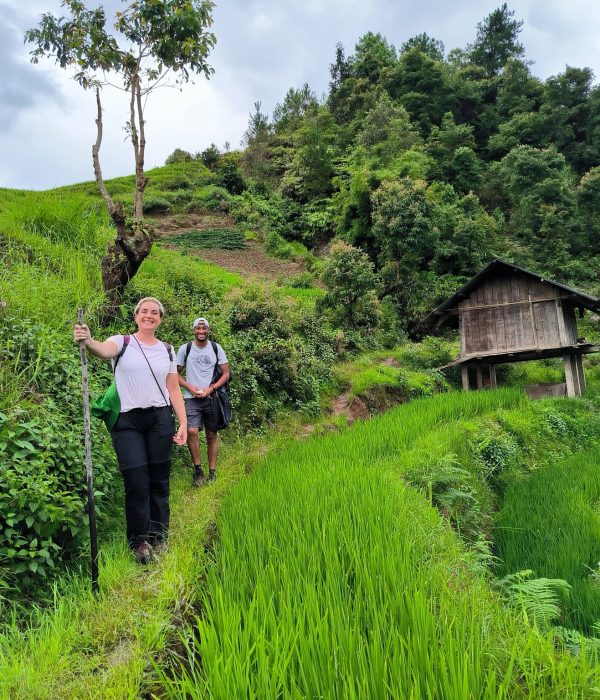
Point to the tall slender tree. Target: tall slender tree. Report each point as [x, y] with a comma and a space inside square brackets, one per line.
[148, 41]
[497, 40]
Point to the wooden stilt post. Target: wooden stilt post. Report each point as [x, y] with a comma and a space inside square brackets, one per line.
[580, 374]
[575, 375]
[464, 371]
[493, 382]
[479, 377]
[570, 377]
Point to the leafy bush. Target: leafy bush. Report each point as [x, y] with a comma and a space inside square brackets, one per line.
[317, 222]
[230, 178]
[210, 156]
[42, 484]
[277, 246]
[351, 300]
[179, 198]
[170, 179]
[303, 280]
[42, 491]
[213, 197]
[389, 333]
[155, 205]
[179, 156]
[431, 353]
[281, 356]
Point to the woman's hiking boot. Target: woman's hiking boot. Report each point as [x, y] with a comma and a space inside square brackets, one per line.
[159, 547]
[211, 475]
[142, 553]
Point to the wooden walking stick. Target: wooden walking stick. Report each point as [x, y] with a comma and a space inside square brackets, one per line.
[88, 457]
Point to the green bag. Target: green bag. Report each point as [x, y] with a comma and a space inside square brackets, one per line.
[108, 406]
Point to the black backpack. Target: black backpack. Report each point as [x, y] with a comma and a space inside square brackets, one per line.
[221, 393]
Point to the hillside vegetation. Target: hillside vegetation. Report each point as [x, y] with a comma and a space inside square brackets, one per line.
[446, 549]
[429, 163]
[51, 246]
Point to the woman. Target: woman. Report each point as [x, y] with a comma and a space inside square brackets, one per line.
[143, 436]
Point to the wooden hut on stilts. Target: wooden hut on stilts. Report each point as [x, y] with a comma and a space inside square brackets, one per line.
[508, 314]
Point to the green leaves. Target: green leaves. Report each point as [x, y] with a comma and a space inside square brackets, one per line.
[540, 599]
[81, 40]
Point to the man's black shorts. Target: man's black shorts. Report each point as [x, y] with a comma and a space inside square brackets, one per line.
[202, 413]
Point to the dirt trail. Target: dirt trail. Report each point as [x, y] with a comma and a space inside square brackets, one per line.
[251, 261]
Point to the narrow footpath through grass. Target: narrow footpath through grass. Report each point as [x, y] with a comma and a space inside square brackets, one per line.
[83, 647]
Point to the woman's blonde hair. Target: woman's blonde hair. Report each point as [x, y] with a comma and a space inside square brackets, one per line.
[154, 300]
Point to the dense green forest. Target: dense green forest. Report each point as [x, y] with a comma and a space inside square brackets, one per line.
[431, 164]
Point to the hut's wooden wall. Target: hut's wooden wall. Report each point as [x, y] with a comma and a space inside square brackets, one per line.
[515, 312]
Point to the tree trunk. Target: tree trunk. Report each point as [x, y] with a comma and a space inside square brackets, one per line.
[132, 243]
[140, 151]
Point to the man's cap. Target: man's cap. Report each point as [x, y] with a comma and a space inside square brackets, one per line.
[200, 322]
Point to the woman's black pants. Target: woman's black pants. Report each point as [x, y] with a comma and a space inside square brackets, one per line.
[143, 441]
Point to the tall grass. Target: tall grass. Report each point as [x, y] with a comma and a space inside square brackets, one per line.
[52, 247]
[333, 579]
[84, 646]
[551, 524]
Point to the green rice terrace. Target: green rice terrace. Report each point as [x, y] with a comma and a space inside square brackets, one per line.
[447, 545]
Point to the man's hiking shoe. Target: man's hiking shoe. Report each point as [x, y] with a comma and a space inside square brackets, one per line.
[211, 475]
[198, 478]
[142, 553]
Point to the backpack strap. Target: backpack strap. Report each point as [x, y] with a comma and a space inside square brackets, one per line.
[126, 339]
[188, 348]
[169, 349]
[217, 372]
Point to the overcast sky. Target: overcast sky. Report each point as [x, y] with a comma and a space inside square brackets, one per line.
[264, 47]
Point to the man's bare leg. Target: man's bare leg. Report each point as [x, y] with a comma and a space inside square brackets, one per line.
[193, 444]
[213, 451]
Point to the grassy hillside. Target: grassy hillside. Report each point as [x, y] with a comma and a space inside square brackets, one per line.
[355, 564]
[51, 245]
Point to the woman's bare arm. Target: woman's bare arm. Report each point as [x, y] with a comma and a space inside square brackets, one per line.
[106, 350]
[180, 436]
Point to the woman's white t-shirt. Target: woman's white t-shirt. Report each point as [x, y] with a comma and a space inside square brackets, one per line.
[135, 384]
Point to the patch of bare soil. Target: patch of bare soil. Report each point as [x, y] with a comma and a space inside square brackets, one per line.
[167, 225]
[250, 261]
[391, 362]
[353, 408]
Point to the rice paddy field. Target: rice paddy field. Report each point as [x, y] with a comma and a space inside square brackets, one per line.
[551, 525]
[335, 579]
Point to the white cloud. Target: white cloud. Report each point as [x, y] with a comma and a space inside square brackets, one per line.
[263, 48]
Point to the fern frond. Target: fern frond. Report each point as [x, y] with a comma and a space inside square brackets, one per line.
[539, 598]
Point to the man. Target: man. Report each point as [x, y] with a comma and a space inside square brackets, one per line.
[198, 359]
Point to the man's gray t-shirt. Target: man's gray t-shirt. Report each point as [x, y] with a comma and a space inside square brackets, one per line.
[200, 364]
